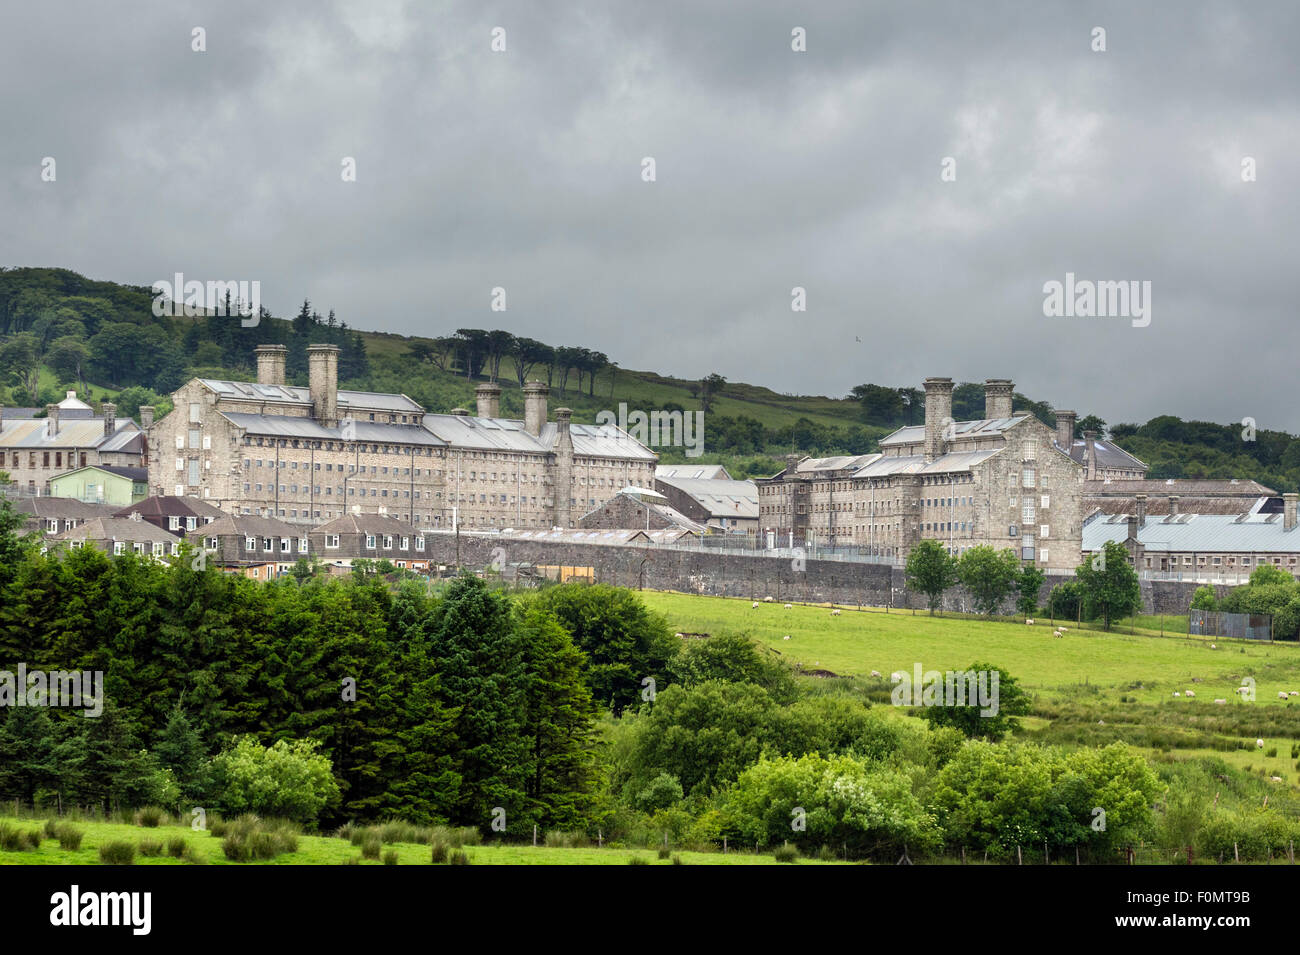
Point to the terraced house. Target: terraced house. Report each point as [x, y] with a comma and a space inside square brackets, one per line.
[307, 455]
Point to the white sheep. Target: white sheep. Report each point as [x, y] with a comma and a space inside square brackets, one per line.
[1190, 693]
[767, 600]
[1221, 702]
[1259, 744]
[788, 606]
[1062, 629]
[1293, 693]
[1241, 689]
[1276, 779]
[755, 606]
[835, 613]
[1281, 695]
[1176, 693]
[876, 674]
[1213, 647]
[1029, 623]
[786, 637]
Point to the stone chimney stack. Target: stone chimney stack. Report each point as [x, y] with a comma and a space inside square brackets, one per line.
[323, 376]
[535, 407]
[460, 412]
[270, 364]
[1289, 511]
[1090, 455]
[1174, 500]
[52, 424]
[997, 397]
[938, 415]
[146, 417]
[1132, 528]
[1065, 429]
[1140, 504]
[792, 465]
[489, 400]
[563, 488]
[110, 417]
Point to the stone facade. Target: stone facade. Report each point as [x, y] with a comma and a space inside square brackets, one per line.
[307, 455]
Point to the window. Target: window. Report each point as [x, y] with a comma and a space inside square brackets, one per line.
[332, 541]
[194, 439]
[194, 472]
[268, 545]
[419, 543]
[194, 412]
[302, 545]
[1027, 547]
[250, 543]
[1027, 512]
[157, 549]
[1046, 501]
[118, 548]
[286, 545]
[1043, 530]
[173, 523]
[370, 541]
[190, 523]
[1028, 478]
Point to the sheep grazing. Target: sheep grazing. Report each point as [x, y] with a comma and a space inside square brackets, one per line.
[1057, 633]
[1176, 693]
[680, 635]
[786, 637]
[1190, 693]
[788, 606]
[835, 613]
[1062, 629]
[1276, 779]
[1213, 647]
[876, 674]
[1259, 744]
[767, 600]
[1029, 623]
[1293, 693]
[1281, 695]
[755, 605]
[1221, 702]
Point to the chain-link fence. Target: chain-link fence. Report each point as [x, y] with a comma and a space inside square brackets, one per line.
[1240, 626]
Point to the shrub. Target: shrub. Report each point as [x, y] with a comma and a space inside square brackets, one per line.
[118, 852]
[351, 860]
[568, 840]
[397, 831]
[52, 824]
[249, 838]
[459, 857]
[69, 836]
[390, 857]
[150, 848]
[370, 846]
[177, 847]
[664, 852]
[34, 838]
[439, 853]
[786, 853]
[1270, 753]
[826, 854]
[346, 830]
[638, 860]
[677, 860]
[151, 817]
[288, 780]
[12, 838]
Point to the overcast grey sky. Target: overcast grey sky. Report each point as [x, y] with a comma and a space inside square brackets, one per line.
[775, 169]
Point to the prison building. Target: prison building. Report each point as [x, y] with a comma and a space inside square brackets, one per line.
[999, 481]
[638, 508]
[34, 450]
[1180, 496]
[706, 472]
[313, 454]
[1102, 460]
[1201, 545]
[805, 501]
[721, 505]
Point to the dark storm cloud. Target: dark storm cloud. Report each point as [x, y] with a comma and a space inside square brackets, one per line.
[775, 169]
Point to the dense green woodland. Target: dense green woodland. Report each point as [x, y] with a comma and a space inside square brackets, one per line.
[371, 698]
[59, 330]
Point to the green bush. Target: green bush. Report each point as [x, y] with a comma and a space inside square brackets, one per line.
[151, 817]
[289, 780]
[69, 836]
[177, 847]
[150, 848]
[664, 852]
[786, 853]
[371, 846]
[438, 855]
[459, 857]
[118, 852]
[638, 860]
[249, 838]
[12, 839]
[390, 857]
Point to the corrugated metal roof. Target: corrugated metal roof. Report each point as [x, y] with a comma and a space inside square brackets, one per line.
[710, 472]
[77, 433]
[600, 441]
[490, 434]
[1158, 488]
[252, 391]
[840, 462]
[285, 426]
[738, 499]
[915, 433]
[1108, 455]
[1212, 533]
[956, 462]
